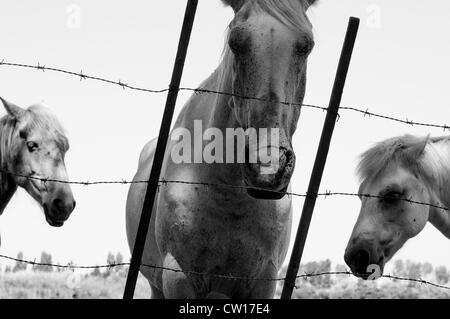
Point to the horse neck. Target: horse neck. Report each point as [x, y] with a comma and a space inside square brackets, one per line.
[7, 185]
[436, 158]
[437, 168]
[217, 113]
[222, 115]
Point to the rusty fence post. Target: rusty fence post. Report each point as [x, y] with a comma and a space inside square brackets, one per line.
[163, 136]
[321, 157]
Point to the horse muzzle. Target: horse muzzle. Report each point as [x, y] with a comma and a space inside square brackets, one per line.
[364, 260]
[270, 179]
[58, 211]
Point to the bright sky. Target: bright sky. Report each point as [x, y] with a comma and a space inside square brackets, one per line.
[400, 67]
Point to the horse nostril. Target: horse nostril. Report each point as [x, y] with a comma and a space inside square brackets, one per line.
[361, 260]
[58, 204]
[74, 204]
[61, 206]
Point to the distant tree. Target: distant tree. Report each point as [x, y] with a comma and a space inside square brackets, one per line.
[96, 272]
[315, 267]
[7, 269]
[110, 260]
[399, 268]
[427, 269]
[324, 267]
[46, 258]
[413, 271]
[340, 268]
[309, 267]
[19, 266]
[442, 275]
[119, 260]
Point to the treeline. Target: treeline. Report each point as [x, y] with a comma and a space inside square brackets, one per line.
[45, 264]
[348, 286]
[404, 269]
[401, 268]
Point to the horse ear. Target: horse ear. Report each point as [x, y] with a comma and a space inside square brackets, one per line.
[417, 150]
[12, 109]
[311, 2]
[235, 4]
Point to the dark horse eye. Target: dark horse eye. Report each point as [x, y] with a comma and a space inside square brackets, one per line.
[239, 40]
[32, 146]
[23, 134]
[392, 197]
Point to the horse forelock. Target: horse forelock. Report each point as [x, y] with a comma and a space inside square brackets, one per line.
[39, 117]
[397, 151]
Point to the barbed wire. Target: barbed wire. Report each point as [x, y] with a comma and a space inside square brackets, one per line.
[82, 76]
[219, 276]
[197, 91]
[124, 85]
[164, 182]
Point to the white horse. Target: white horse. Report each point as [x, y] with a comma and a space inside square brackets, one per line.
[406, 167]
[33, 144]
[222, 230]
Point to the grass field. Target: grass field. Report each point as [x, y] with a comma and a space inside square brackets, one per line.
[58, 285]
[50, 285]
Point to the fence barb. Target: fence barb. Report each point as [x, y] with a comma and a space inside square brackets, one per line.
[365, 112]
[71, 266]
[163, 182]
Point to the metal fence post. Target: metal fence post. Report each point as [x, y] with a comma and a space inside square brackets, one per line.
[321, 157]
[163, 136]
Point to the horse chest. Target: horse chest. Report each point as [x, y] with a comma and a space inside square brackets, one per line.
[207, 231]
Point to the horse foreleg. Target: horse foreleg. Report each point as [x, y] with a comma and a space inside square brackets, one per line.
[156, 293]
[265, 289]
[216, 295]
[176, 285]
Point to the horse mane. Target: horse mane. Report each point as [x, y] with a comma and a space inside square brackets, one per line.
[7, 125]
[423, 156]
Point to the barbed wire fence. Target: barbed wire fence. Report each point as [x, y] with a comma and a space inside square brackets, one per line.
[219, 276]
[164, 182]
[124, 85]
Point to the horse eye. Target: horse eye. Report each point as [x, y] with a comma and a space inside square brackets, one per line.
[302, 49]
[32, 146]
[392, 196]
[239, 41]
[304, 46]
[23, 134]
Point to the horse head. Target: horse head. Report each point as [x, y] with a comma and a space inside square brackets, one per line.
[32, 150]
[268, 44]
[396, 182]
